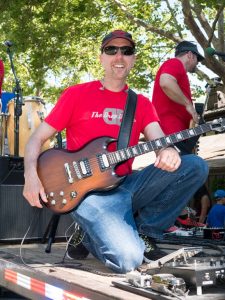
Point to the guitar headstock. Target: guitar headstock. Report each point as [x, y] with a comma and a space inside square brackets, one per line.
[218, 125]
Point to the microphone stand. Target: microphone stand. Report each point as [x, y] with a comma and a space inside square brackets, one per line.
[18, 106]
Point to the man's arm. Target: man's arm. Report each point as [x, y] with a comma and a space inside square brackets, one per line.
[167, 159]
[33, 187]
[205, 204]
[170, 87]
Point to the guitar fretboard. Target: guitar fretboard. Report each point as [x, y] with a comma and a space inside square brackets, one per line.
[142, 148]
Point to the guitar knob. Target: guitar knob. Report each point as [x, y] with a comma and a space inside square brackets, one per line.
[73, 194]
[53, 202]
[61, 193]
[51, 194]
[64, 201]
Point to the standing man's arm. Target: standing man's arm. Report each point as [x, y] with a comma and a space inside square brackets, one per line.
[170, 87]
[33, 187]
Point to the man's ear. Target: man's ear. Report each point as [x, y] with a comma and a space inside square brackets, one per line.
[189, 54]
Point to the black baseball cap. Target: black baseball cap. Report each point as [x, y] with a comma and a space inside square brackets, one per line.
[188, 46]
[115, 35]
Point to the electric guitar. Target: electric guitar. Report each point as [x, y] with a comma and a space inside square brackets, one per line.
[68, 176]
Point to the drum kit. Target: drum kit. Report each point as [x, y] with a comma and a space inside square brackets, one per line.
[19, 117]
[33, 113]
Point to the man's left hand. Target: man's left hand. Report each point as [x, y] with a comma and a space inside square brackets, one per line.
[168, 159]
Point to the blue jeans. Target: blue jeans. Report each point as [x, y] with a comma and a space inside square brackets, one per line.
[147, 202]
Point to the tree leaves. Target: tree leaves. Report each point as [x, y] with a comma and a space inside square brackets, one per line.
[56, 43]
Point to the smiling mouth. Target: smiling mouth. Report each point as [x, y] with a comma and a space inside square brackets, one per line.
[120, 66]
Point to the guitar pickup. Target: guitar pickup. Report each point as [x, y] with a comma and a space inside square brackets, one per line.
[103, 162]
[82, 168]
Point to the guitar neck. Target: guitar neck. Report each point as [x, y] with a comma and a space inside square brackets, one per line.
[143, 148]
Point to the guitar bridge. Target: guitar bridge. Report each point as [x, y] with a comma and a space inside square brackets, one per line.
[68, 172]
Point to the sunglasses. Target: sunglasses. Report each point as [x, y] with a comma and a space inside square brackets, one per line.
[113, 50]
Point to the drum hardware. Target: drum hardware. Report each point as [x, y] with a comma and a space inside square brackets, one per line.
[41, 115]
[18, 102]
[35, 98]
[27, 111]
[33, 113]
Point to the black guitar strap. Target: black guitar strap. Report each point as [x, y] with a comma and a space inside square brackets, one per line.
[127, 121]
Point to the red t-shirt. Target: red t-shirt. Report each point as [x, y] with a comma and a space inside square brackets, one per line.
[87, 112]
[173, 116]
[1, 75]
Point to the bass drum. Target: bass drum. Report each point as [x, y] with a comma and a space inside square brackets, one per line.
[33, 113]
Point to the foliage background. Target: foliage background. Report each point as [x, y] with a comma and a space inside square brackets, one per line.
[57, 41]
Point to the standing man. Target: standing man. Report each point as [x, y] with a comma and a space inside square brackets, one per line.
[173, 101]
[172, 93]
[120, 225]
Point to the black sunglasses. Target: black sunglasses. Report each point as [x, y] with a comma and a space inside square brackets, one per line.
[113, 50]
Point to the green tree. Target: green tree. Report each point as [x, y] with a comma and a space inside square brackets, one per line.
[60, 39]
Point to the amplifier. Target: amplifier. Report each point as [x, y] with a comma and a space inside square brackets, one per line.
[16, 215]
[11, 170]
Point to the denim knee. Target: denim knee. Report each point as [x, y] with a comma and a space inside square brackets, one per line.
[199, 166]
[126, 261]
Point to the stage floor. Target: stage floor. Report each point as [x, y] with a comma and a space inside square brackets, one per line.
[93, 275]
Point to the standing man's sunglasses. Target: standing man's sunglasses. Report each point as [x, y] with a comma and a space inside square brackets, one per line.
[113, 50]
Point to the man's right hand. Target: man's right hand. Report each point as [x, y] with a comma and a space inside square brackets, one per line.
[190, 108]
[33, 190]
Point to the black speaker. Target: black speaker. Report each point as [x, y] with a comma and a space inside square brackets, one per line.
[11, 170]
[16, 215]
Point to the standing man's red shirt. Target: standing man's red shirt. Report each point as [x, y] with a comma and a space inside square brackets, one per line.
[173, 116]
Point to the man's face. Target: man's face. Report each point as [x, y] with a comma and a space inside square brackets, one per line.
[223, 201]
[117, 66]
